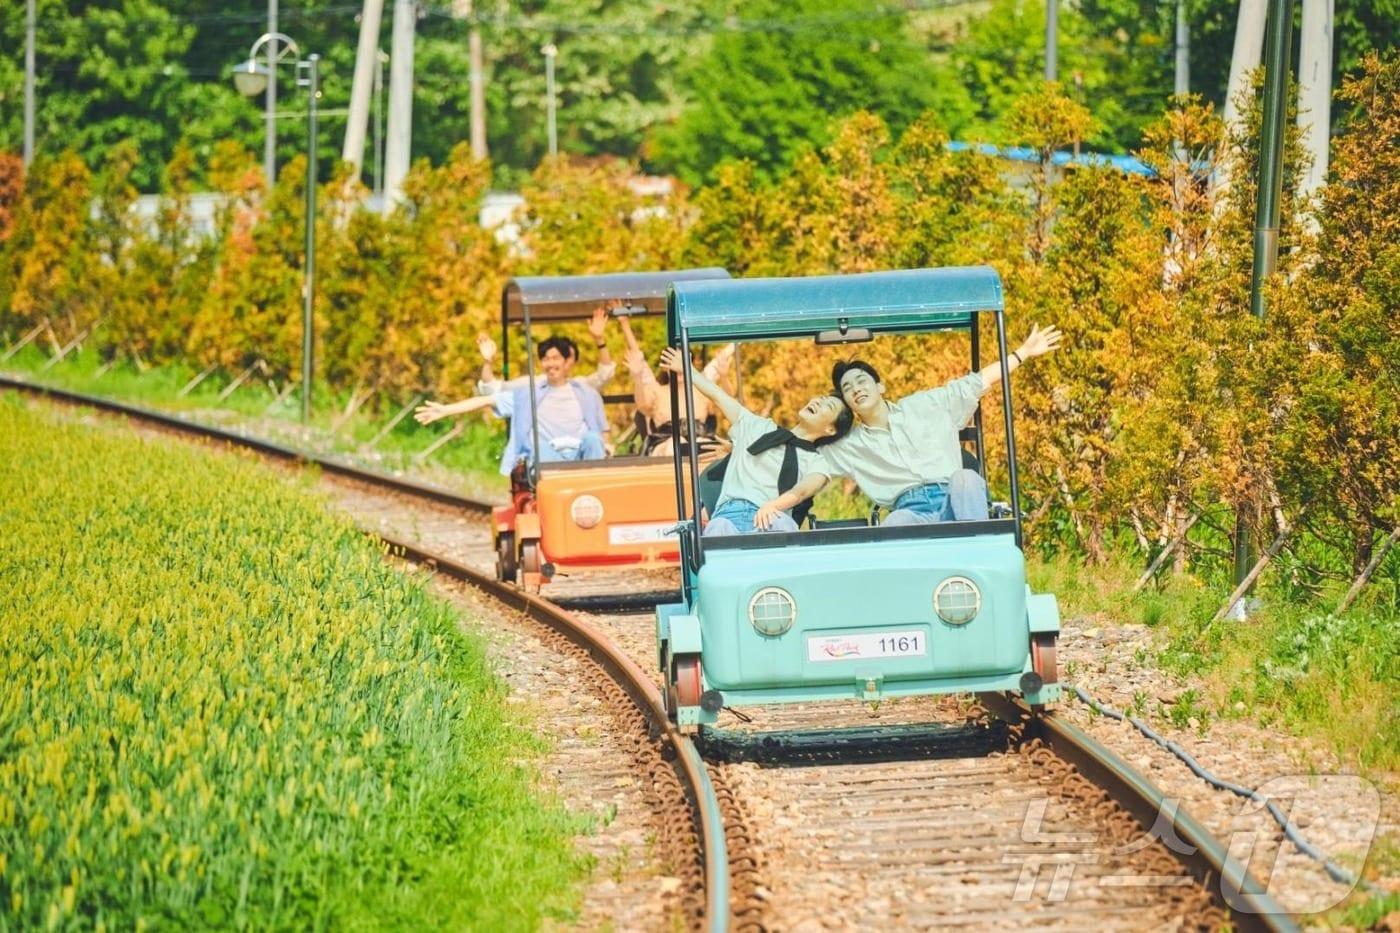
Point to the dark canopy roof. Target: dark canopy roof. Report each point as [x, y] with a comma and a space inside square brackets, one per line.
[573, 297]
[908, 300]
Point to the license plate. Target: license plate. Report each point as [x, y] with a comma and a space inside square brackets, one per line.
[641, 533]
[908, 644]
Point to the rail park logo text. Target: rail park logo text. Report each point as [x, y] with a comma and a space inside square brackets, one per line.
[1271, 836]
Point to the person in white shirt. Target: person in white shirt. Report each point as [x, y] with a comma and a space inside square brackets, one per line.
[490, 383]
[768, 462]
[905, 455]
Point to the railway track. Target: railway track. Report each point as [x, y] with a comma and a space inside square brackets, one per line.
[925, 814]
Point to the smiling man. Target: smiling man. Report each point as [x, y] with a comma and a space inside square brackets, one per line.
[905, 455]
[570, 412]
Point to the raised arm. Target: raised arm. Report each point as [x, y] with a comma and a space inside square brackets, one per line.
[629, 337]
[487, 347]
[1039, 343]
[643, 383]
[429, 412]
[598, 328]
[671, 358]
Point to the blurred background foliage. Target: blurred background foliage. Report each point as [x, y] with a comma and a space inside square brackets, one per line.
[678, 86]
[809, 138]
[1170, 404]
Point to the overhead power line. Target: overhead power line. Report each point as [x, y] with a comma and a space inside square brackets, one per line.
[824, 22]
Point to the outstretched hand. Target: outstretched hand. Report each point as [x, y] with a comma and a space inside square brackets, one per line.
[672, 359]
[1040, 342]
[429, 412]
[598, 323]
[486, 346]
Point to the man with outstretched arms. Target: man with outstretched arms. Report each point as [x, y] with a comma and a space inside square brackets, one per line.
[570, 412]
[905, 455]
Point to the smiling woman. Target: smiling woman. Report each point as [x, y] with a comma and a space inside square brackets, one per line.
[221, 707]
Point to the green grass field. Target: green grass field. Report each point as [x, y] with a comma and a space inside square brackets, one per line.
[223, 708]
[471, 459]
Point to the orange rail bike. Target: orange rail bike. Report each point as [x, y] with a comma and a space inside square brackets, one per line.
[585, 515]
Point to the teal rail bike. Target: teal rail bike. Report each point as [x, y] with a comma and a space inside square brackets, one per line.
[851, 609]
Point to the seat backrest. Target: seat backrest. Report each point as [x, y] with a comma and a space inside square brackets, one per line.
[969, 456]
[711, 480]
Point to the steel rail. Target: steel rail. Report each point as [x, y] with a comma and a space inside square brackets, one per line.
[329, 464]
[1231, 886]
[1248, 904]
[635, 682]
[644, 693]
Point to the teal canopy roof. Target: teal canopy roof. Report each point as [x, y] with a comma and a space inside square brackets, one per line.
[909, 300]
[572, 297]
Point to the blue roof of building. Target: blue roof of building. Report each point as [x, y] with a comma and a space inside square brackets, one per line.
[1123, 163]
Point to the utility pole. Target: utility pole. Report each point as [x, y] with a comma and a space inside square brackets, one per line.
[270, 103]
[1315, 91]
[465, 9]
[1249, 42]
[549, 52]
[1266, 217]
[366, 55]
[1183, 52]
[1052, 39]
[478, 79]
[399, 145]
[308, 369]
[379, 59]
[29, 17]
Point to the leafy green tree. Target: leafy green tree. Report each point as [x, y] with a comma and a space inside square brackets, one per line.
[1360, 27]
[616, 74]
[1330, 364]
[1114, 58]
[108, 73]
[769, 92]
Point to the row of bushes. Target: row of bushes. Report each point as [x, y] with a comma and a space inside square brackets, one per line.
[1171, 408]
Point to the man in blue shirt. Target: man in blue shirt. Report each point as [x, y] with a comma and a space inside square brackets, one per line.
[572, 425]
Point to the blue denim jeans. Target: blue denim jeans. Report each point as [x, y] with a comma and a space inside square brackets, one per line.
[963, 498]
[735, 517]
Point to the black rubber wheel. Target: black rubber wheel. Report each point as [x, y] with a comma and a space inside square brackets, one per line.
[505, 558]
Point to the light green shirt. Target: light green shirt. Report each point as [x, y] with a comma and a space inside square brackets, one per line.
[919, 447]
[754, 478]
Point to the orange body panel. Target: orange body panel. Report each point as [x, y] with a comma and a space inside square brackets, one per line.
[638, 500]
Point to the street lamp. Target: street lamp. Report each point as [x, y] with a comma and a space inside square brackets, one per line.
[251, 79]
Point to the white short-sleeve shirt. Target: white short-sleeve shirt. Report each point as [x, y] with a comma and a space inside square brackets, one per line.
[919, 447]
[754, 477]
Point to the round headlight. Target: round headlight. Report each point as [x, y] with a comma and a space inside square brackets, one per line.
[772, 611]
[586, 511]
[956, 600]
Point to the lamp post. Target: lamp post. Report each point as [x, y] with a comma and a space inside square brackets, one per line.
[251, 78]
